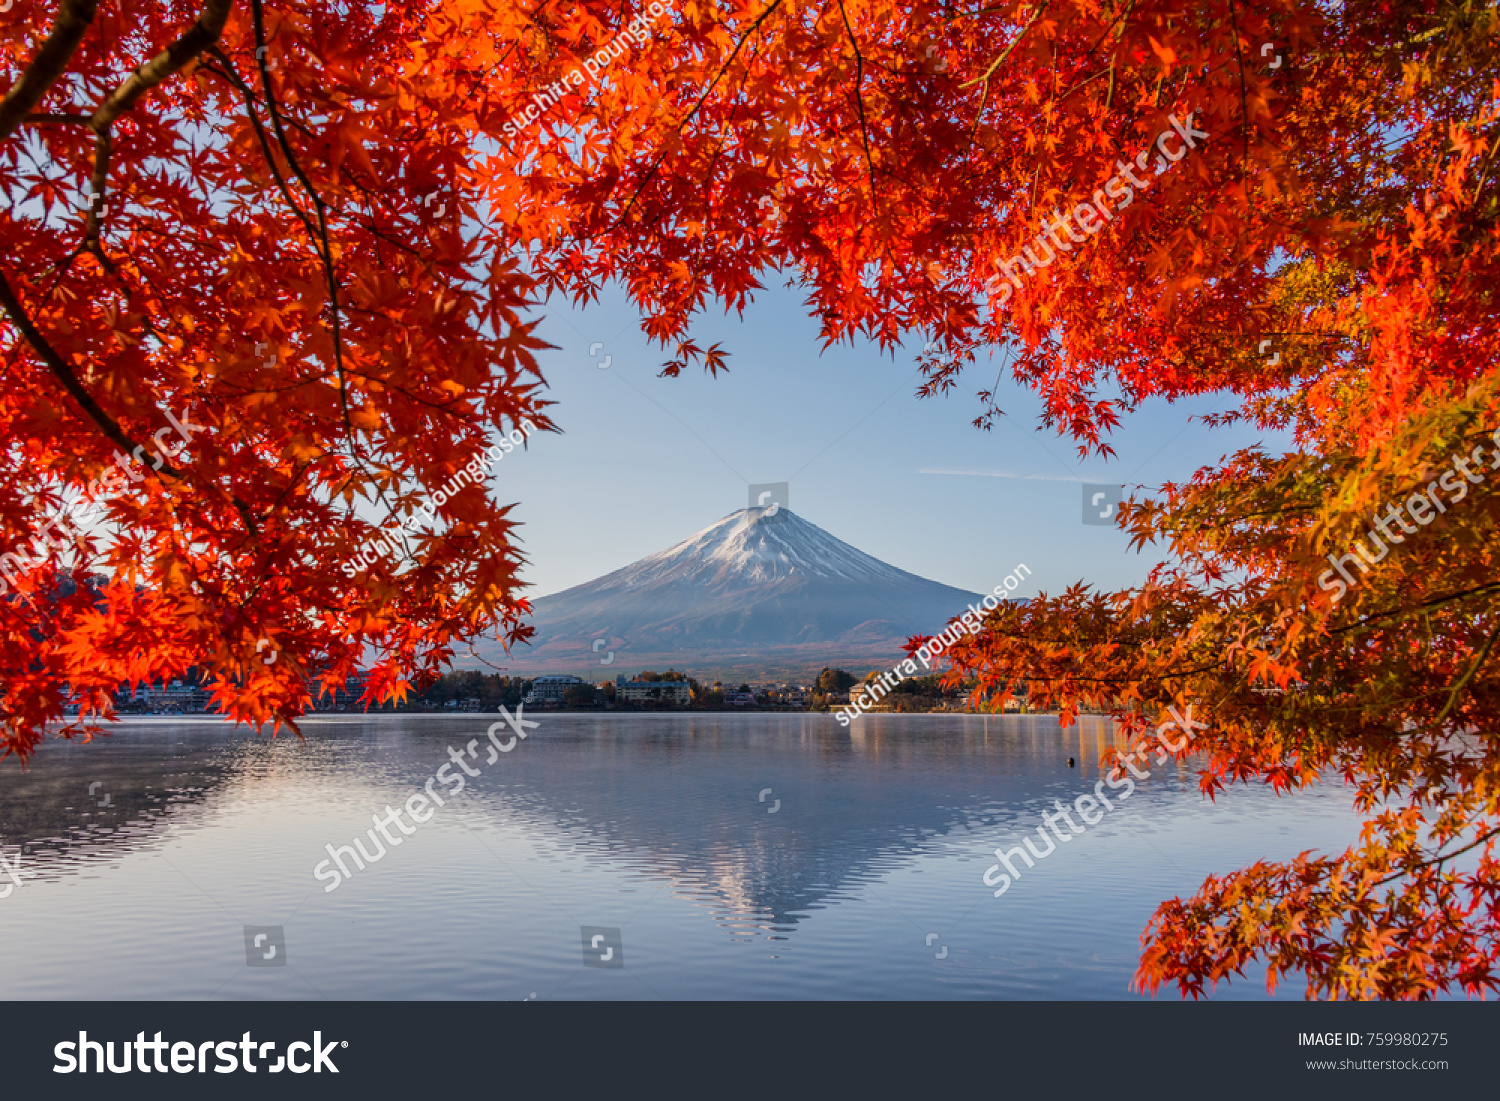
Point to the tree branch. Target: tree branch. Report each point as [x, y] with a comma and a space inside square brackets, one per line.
[1441, 858]
[985, 78]
[204, 33]
[230, 74]
[859, 103]
[69, 379]
[73, 19]
[320, 208]
[651, 172]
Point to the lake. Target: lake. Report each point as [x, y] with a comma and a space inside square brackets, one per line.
[646, 856]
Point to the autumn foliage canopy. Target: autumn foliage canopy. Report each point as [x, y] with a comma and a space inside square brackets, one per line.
[318, 237]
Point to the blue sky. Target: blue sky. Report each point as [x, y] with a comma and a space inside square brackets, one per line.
[647, 461]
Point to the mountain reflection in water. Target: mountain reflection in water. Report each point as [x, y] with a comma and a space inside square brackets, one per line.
[757, 856]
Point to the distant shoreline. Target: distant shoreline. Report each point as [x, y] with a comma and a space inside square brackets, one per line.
[209, 716]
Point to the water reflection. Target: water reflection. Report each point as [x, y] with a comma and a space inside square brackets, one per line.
[843, 808]
[80, 804]
[678, 798]
[826, 854]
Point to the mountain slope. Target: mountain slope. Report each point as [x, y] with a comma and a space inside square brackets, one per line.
[754, 589]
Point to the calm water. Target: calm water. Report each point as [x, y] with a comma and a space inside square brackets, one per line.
[859, 875]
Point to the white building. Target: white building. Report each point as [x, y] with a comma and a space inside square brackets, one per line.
[175, 696]
[551, 689]
[678, 692]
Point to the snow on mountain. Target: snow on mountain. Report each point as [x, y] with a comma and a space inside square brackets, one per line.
[751, 549]
[757, 587]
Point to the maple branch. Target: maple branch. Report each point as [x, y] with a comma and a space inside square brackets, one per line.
[230, 74]
[677, 131]
[291, 159]
[978, 114]
[1435, 602]
[1110, 72]
[321, 209]
[202, 34]
[73, 19]
[1484, 653]
[69, 379]
[492, 665]
[985, 97]
[859, 103]
[1244, 104]
[103, 149]
[1112, 25]
[326, 249]
[985, 79]
[1440, 858]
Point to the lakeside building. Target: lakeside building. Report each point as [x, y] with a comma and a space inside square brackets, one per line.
[160, 696]
[341, 698]
[635, 690]
[548, 691]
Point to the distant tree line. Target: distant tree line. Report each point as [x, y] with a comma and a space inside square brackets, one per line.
[491, 689]
[831, 688]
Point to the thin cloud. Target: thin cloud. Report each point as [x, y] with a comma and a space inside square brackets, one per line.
[1004, 474]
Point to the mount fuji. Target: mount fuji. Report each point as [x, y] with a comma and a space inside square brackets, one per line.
[760, 592]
